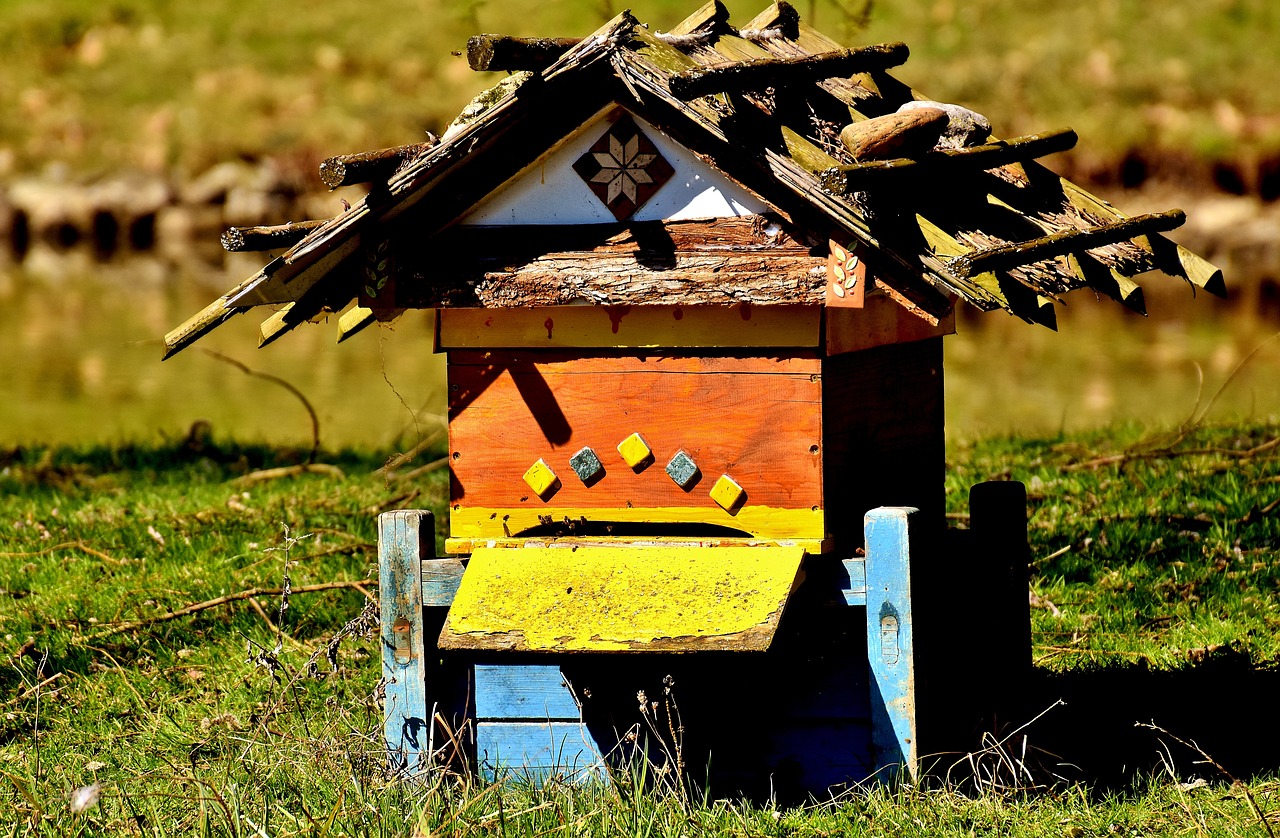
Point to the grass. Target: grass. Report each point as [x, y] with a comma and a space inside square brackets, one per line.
[162, 86]
[1151, 547]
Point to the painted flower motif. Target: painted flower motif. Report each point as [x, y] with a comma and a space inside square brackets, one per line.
[623, 168]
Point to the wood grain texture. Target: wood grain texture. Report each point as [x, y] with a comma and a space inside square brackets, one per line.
[757, 419]
[529, 692]
[404, 537]
[880, 322]
[440, 580]
[622, 599]
[890, 642]
[536, 750]
[630, 326]
[577, 278]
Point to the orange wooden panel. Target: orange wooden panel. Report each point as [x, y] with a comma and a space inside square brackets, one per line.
[757, 419]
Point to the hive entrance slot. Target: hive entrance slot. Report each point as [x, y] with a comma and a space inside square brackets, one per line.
[581, 528]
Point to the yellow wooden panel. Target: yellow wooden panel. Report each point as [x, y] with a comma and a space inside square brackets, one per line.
[622, 599]
[759, 521]
[630, 326]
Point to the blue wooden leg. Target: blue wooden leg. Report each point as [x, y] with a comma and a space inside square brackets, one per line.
[405, 537]
[890, 651]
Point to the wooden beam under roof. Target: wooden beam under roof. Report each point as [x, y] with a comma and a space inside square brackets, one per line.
[762, 73]
[866, 175]
[1003, 257]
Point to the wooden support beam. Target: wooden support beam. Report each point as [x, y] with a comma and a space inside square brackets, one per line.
[843, 179]
[759, 73]
[354, 320]
[276, 237]
[889, 534]
[1011, 255]
[405, 539]
[506, 52]
[369, 166]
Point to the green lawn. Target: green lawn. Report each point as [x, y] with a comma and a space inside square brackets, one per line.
[1154, 558]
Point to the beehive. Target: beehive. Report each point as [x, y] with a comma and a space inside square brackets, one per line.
[693, 287]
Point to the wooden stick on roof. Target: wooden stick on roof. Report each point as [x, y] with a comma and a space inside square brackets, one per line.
[759, 73]
[1014, 254]
[975, 158]
[369, 166]
[277, 237]
[505, 52]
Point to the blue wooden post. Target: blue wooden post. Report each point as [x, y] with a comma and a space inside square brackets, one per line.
[405, 537]
[890, 649]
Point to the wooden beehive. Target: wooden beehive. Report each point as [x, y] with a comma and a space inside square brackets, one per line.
[694, 350]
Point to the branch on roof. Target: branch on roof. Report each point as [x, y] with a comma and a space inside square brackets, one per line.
[761, 73]
[505, 52]
[1011, 255]
[277, 237]
[369, 166]
[859, 176]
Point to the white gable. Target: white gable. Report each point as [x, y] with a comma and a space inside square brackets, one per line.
[551, 192]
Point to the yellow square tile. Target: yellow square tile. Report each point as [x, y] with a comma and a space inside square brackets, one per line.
[541, 478]
[727, 492]
[634, 450]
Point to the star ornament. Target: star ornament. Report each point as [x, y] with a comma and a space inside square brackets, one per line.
[623, 168]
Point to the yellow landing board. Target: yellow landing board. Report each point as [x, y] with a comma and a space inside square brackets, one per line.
[622, 599]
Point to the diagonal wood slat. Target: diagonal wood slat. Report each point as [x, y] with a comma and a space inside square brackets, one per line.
[761, 73]
[1012, 255]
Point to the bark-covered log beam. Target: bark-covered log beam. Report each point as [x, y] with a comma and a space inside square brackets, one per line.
[1011, 255]
[760, 73]
[618, 279]
[843, 179]
[278, 237]
[505, 52]
[369, 166]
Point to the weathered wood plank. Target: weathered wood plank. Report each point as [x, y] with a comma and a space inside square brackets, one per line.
[630, 326]
[1007, 256]
[853, 584]
[622, 599]
[354, 320]
[537, 751]
[528, 692]
[508, 409]
[572, 279]
[404, 538]
[890, 642]
[759, 73]
[705, 19]
[440, 580]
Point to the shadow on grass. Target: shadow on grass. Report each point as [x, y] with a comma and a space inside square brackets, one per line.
[1225, 705]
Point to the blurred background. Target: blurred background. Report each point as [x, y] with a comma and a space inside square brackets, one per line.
[133, 131]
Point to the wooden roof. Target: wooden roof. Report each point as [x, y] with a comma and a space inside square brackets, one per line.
[764, 104]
